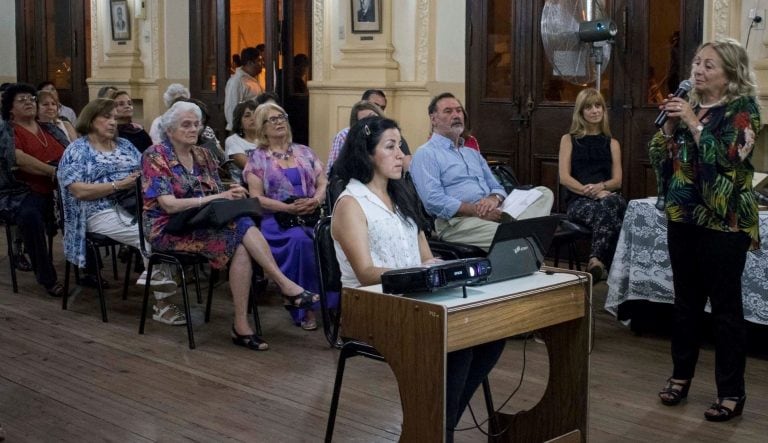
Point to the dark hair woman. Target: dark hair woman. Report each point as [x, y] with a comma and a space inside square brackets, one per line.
[376, 228]
[38, 148]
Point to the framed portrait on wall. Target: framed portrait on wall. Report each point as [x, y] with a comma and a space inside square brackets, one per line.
[366, 16]
[121, 21]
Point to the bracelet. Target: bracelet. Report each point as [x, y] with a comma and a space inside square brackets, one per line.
[199, 201]
[114, 186]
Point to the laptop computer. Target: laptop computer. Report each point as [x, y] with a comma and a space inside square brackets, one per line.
[519, 246]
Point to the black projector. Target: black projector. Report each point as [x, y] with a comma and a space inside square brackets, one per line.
[447, 274]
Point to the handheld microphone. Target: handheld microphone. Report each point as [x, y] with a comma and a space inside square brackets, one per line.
[682, 91]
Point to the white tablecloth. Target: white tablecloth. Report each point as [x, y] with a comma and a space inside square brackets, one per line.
[641, 269]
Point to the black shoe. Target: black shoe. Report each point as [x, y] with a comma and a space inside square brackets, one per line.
[674, 392]
[718, 412]
[252, 342]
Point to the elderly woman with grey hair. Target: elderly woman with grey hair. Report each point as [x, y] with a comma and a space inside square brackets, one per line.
[178, 175]
[175, 92]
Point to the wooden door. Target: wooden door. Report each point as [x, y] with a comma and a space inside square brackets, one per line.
[519, 108]
[227, 26]
[53, 44]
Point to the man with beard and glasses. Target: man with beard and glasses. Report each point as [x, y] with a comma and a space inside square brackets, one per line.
[455, 183]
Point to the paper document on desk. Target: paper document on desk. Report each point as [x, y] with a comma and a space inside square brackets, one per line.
[759, 180]
[519, 200]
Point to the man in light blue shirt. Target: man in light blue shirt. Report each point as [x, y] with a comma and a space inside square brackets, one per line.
[455, 183]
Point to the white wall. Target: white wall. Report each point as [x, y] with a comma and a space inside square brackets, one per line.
[450, 41]
[8, 41]
[176, 34]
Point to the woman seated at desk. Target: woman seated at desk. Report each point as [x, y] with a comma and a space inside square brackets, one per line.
[590, 168]
[376, 228]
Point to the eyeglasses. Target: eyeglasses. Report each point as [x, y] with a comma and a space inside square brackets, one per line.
[26, 98]
[275, 119]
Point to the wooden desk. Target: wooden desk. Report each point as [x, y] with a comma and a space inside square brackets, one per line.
[415, 333]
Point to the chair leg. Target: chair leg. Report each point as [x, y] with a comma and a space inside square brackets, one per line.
[11, 259]
[211, 281]
[65, 297]
[493, 422]
[252, 296]
[197, 283]
[127, 280]
[114, 261]
[145, 300]
[100, 286]
[185, 301]
[345, 353]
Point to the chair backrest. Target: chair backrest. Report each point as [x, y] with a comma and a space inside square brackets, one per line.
[140, 216]
[334, 189]
[504, 175]
[329, 275]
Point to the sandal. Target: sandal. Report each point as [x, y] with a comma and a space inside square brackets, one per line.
[169, 314]
[674, 392]
[252, 342]
[57, 290]
[719, 412]
[22, 264]
[309, 325]
[305, 300]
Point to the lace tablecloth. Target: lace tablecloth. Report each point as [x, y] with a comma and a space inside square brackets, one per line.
[641, 269]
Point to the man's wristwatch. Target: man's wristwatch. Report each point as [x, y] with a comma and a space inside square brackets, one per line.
[498, 197]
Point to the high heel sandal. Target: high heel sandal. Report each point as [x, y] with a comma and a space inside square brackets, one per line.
[671, 395]
[252, 341]
[724, 413]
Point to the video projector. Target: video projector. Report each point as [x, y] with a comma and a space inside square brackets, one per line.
[427, 278]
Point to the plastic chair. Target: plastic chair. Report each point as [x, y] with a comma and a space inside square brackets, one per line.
[180, 260]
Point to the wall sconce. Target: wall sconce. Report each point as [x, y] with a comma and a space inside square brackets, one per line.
[139, 10]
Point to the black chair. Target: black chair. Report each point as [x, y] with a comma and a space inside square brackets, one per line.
[93, 242]
[329, 276]
[11, 254]
[181, 260]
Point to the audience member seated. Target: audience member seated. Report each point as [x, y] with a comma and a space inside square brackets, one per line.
[207, 138]
[359, 111]
[243, 139]
[376, 228]
[64, 111]
[590, 168]
[38, 148]
[48, 112]
[126, 127]
[175, 91]
[279, 170]
[92, 170]
[377, 97]
[455, 183]
[178, 175]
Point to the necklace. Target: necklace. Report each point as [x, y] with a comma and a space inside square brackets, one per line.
[43, 141]
[703, 106]
[282, 155]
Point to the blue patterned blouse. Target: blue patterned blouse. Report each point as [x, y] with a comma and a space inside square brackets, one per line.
[82, 163]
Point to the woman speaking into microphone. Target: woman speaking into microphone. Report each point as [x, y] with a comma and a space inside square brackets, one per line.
[702, 156]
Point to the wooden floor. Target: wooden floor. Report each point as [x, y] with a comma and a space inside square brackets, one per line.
[66, 376]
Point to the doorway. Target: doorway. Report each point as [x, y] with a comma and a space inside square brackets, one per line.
[281, 27]
[526, 106]
[53, 44]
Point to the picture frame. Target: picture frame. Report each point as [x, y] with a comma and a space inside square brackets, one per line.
[120, 19]
[366, 16]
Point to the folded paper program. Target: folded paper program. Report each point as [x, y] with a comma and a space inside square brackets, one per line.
[519, 200]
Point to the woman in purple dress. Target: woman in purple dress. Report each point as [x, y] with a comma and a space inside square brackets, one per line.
[277, 170]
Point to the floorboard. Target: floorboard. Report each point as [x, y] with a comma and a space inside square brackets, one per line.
[66, 376]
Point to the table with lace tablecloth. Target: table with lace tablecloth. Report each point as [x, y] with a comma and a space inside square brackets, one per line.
[641, 268]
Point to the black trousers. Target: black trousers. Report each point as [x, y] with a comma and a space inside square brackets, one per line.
[465, 371]
[31, 218]
[707, 264]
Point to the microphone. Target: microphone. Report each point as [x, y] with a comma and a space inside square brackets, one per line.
[682, 91]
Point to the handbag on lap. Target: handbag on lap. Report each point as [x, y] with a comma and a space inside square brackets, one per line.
[214, 214]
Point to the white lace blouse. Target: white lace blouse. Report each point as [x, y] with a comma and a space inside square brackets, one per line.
[394, 243]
